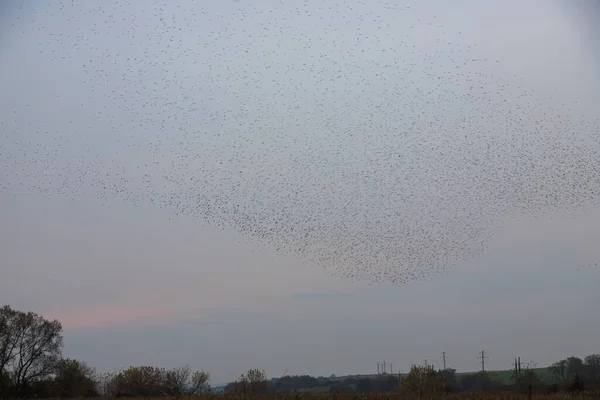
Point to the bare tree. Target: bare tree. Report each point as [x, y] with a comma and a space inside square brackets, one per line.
[177, 380]
[200, 382]
[7, 345]
[107, 384]
[256, 380]
[253, 382]
[30, 347]
[8, 339]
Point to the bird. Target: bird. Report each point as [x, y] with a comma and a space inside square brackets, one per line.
[330, 132]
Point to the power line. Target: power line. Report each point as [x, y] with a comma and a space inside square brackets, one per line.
[482, 357]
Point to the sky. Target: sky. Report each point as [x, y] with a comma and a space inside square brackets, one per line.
[137, 283]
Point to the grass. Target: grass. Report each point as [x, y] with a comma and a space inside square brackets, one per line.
[386, 396]
[505, 376]
[500, 376]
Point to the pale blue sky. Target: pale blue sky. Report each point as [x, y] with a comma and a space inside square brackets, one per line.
[86, 94]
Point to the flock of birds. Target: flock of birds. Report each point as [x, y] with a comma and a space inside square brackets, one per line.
[323, 130]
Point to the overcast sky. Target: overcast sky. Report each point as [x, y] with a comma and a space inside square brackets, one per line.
[134, 283]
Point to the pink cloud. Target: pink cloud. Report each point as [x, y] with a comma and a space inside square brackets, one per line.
[108, 316]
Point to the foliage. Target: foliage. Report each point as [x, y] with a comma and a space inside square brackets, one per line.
[31, 366]
[147, 381]
[254, 382]
[592, 363]
[559, 370]
[477, 382]
[448, 379]
[289, 384]
[422, 380]
[75, 379]
[393, 396]
[143, 381]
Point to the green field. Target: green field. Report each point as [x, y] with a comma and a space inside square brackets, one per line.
[505, 376]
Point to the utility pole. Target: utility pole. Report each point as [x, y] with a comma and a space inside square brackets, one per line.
[391, 369]
[518, 377]
[483, 357]
[444, 359]
[384, 369]
[378, 369]
[426, 362]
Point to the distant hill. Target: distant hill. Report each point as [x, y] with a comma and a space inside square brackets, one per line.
[500, 376]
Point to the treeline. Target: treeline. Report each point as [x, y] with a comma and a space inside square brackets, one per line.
[426, 380]
[570, 375]
[32, 365]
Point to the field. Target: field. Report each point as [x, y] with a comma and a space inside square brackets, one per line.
[384, 396]
[505, 377]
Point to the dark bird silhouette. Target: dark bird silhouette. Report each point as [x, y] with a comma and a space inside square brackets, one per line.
[312, 127]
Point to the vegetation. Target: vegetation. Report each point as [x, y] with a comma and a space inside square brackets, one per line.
[383, 396]
[31, 365]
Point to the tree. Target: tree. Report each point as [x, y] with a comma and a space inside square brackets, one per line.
[8, 337]
[8, 343]
[560, 371]
[5, 385]
[364, 385]
[575, 384]
[200, 383]
[30, 347]
[290, 384]
[385, 383]
[478, 382]
[235, 387]
[144, 381]
[575, 366]
[107, 384]
[592, 365]
[177, 381]
[253, 382]
[448, 378]
[422, 380]
[181, 380]
[75, 379]
[526, 379]
[257, 381]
